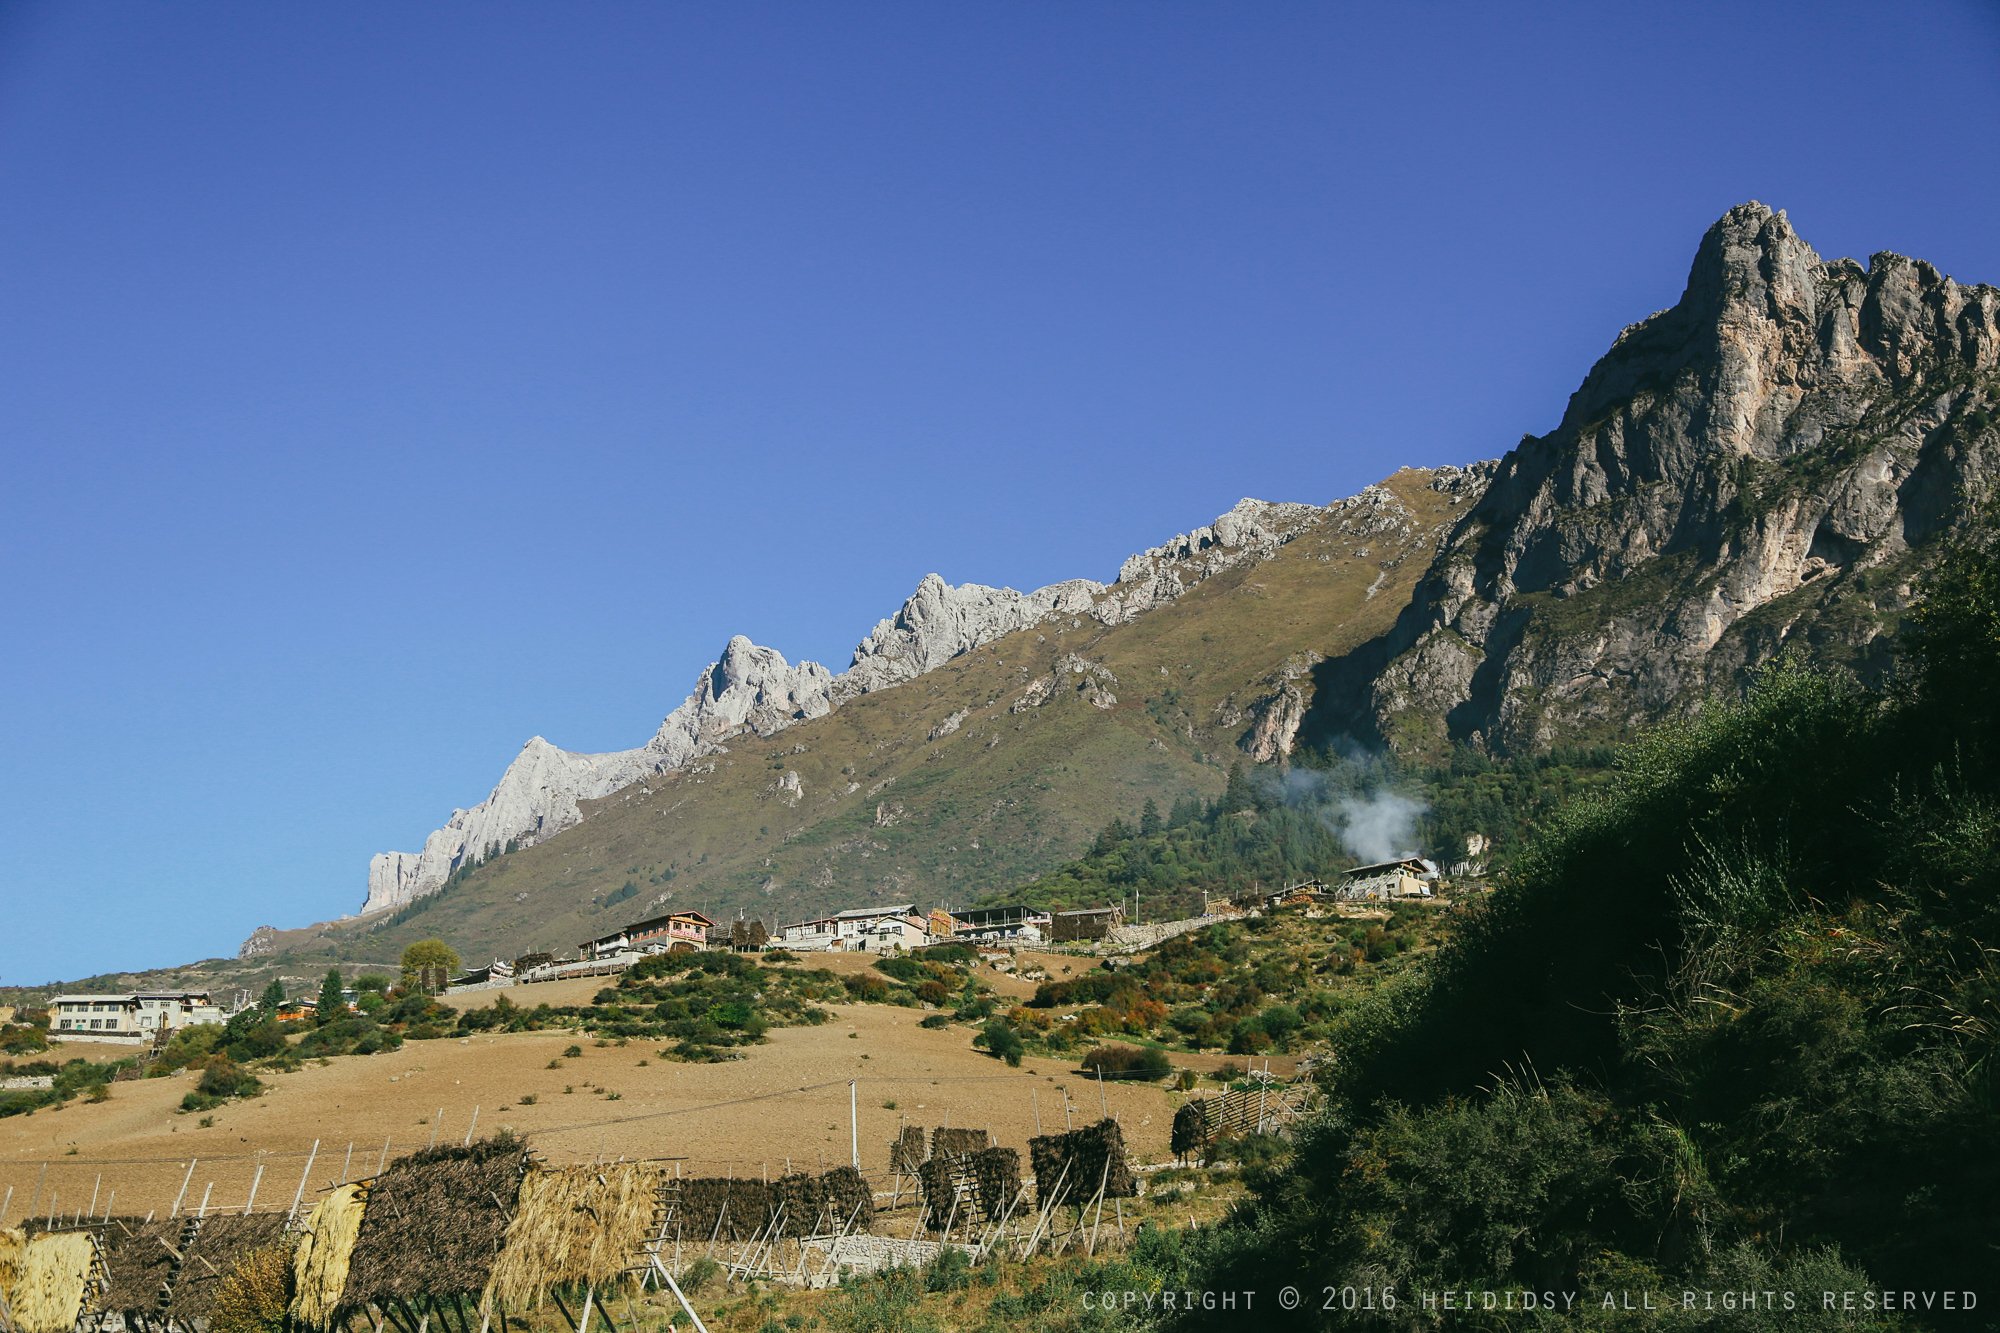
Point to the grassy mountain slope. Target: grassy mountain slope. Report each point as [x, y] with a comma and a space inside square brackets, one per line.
[894, 803]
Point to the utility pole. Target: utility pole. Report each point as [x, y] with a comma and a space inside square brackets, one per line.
[854, 1122]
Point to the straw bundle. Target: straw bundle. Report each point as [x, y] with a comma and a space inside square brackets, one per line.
[53, 1288]
[575, 1224]
[849, 1197]
[1092, 1154]
[435, 1222]
[319, 1269]
[216, 1245]
[996, 1173]
[803, 1197]
[938, 1179]
[143, 1259]
[948, 1142]
[13, 1241]
[708, 1207]
[906, 1150]
[1194, 1129]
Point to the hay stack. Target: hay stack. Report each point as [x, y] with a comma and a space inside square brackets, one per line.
[803, 1197]
[215, 1246]
[58, 1271]
[435, 1222]
[712, 1206]
[947, 1142]
[997, 1173]
[319, 1268]
[849, 1197]
[939, 1181]
[906, 1150]
[256, 1293]
[574, 1225]
[13, 1241]
[1092, 1154]
[143, 1259]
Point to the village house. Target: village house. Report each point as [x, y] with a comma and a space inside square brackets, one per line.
[132, 1017]
[1292, 895]
[893, 929]
[1407, 877]
[675, 931]
[1013, 924]
[1085, 923]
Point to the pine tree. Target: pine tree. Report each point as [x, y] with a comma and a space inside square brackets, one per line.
[332, 1004]
[273, 996]
[1149, 819]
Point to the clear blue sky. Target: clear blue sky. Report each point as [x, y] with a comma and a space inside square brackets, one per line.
[383, 384]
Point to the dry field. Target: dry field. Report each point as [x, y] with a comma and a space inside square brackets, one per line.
[787, 1099]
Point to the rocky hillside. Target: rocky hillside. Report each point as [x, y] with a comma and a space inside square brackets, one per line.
[1761, 467]
[980, 737]
[755, 690]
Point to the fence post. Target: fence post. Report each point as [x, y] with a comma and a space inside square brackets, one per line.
[304, 1175]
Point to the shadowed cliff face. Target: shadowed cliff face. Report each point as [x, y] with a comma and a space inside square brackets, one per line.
[1760, 467]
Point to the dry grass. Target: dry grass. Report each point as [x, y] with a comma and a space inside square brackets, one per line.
[319, 1269]
[54, 1286]
[256, 1293]
[13, 1241]
[575, 1224]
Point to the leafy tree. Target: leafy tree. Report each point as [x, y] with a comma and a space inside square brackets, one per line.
[428, 965]
[332, 1004]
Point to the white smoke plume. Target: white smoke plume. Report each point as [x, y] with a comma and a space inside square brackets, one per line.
[1380, 826]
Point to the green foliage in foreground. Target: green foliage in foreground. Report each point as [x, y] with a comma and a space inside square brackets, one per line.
[1732, 1025]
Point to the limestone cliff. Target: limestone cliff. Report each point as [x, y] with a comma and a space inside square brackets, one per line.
[1760, 466]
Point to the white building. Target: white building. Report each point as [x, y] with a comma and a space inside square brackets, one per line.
[891, 929]
[133, 1017]
[1409, 877]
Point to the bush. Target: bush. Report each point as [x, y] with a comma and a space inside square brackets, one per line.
[1128, 1062]
[221, 1079]
[1002, 1041]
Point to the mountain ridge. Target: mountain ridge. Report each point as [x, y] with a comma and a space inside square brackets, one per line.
[755, 689]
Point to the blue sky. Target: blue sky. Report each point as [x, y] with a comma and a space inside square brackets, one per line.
[383, 384]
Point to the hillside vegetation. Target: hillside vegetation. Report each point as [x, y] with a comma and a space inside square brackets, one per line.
[950, 786]
[1729, 1025]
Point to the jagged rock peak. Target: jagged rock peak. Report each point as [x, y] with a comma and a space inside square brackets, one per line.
[1760, 464]
[939, 621]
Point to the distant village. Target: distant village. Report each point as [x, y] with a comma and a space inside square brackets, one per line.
[140, 1017]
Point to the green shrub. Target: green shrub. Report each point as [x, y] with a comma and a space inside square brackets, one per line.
[1128, 1062]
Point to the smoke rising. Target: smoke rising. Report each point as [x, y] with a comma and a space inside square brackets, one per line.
[1379, 826]
[1372, 822]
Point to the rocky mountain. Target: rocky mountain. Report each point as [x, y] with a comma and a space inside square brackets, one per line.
[755, 690]
[979, 737]
[1765, 466]
[1759, 468]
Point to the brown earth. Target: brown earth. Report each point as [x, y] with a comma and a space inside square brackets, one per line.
[787, 1099]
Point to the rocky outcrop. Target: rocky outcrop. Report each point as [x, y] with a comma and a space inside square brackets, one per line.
[940, 621]
[1278, 715]
[1249, 531]
[1759, 466]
